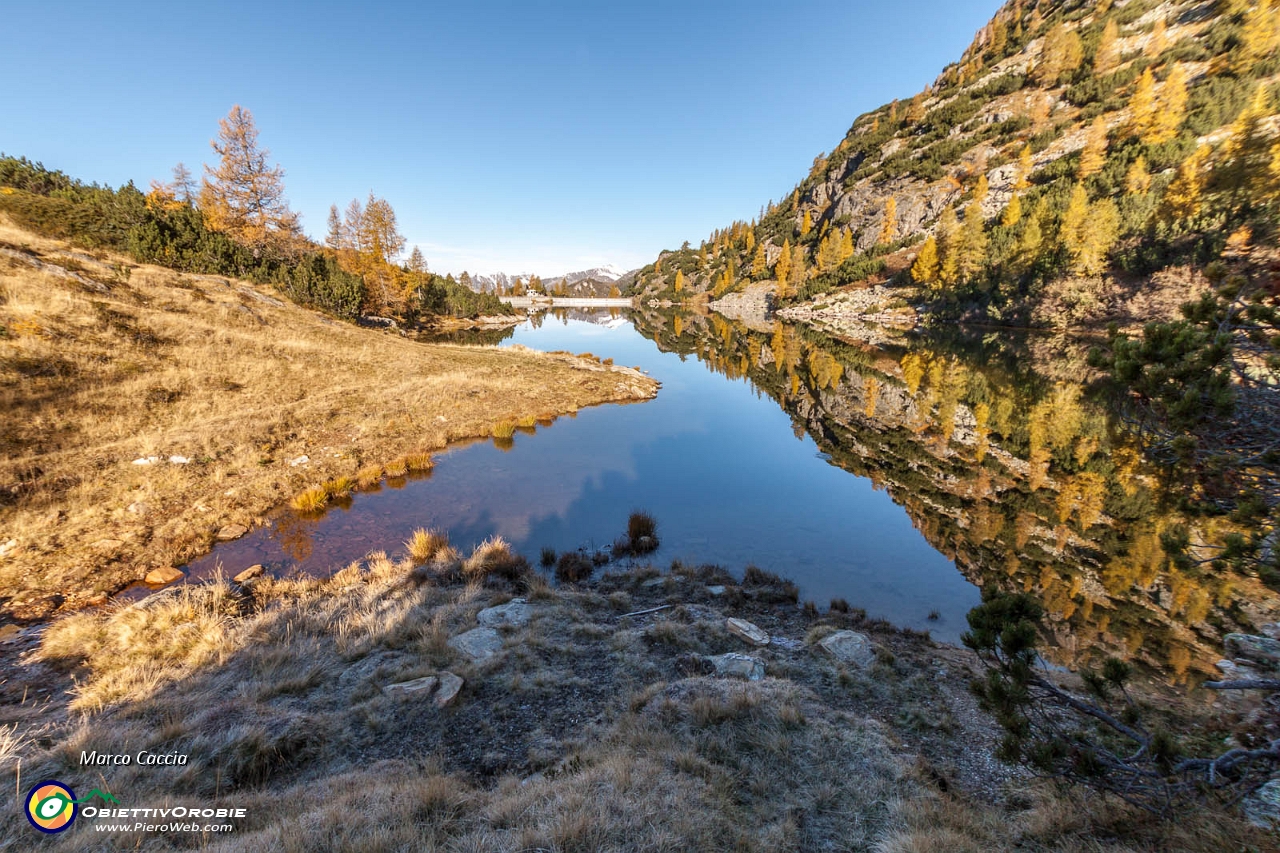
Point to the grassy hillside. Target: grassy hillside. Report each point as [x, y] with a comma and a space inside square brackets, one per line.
[1075, 150]
[104, 362]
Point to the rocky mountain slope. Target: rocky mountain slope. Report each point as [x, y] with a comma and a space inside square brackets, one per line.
[1077, 148]
[597, 281]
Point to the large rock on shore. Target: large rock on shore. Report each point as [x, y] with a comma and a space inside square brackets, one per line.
[849, 647]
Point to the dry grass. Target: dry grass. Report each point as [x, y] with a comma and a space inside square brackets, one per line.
[425, 544]
[577, 737]
[239, 383]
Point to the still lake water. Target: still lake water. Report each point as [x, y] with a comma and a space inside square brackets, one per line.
[718, 464]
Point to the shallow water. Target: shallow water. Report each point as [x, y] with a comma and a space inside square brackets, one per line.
[729, 477]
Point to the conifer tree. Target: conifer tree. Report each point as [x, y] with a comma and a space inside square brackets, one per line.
[799, 270]
[846, 244]
[1171, 107]
[244, 196]
[1031, 239]
[981, 189]
[1137, 180]
[1094, 153]
[1012, 212]
[925, 269]
[679, 282]
[417, 263]
[1108, 55]
[1246, 154]
[333, 238]
[1260, 33]
[973, 250]
[1073, 220]
[184, 186]
[1158, 40]
[889, 224]
[782, 270]
[1142, 105]
[1183, 198]
[759, 263]
[1060, 54]
[948, 248]
[1021, 178]
[806, 224]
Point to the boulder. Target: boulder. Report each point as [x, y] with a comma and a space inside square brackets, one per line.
[417, 687]
[716, 589]
[138, 508]
[514, 612]
[735, 665]
[1261, 651]
[164, 575]
[232, 531]
[746, 630]
[300, 460]
[450, 684]
[1262, 807]
[179, 460]
[249, 573]
[849, 647]
[478, 643]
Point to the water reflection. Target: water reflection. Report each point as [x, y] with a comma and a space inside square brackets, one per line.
[1005, 458]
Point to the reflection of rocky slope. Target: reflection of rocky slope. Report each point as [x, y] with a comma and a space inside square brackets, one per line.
[1021, 480]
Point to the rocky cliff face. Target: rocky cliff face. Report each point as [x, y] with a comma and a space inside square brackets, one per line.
[1013, 117]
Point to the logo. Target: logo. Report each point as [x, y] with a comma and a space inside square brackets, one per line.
[52, 806]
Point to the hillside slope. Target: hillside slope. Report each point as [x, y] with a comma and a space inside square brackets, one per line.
[1075, 150]
[148, 412]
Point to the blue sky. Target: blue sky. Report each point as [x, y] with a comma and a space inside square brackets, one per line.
[513, 136]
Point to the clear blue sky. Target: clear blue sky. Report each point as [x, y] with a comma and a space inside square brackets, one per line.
[514, 136]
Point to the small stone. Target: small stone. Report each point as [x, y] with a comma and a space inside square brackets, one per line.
[1262, 807]
[747, 631]
[249, 573]
[652, 582]
[162, 576]
[96, 600]
[514, 612]
[301, 460]
[737, 666]
[6, 548]
[179, 460]
[717, 589]
[450, 684]
[478, 643]
[108, 544]
[232, 531]
[418, 686]
[146, 460]
[138, 508]
[849, 647]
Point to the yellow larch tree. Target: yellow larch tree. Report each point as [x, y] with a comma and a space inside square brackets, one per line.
[1012, 212]
[1171, 107]
[948, 248]
[1142, 105]
[782, 271]
[846, 243]
[243, 195]
[806, 224]
[1183, 199]
[889, 222]
[1060, 53]
[973, 244]
[1260, 33]
[759, 262]
[1022, 174]
[799, 267]
[1137, 180]
[1158, 40]
[1094, 153]
[1107, 56]
[678, 285]
[925, 268]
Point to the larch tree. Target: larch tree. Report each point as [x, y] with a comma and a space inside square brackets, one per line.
[184, 185]
[1061, 53]
[949, 246]
[759, 262]
[1171, 107]
[1137, 181]
[1107, 56]
[981, 189]
[1158, 40]
[846, 244]
[1022, 175]
[1094, 153]
[782, 270]
[1260, 33]
[973, 243]
[1089, 231]
[806, 224]
[418, 263]
[925, 268]
[1246, 156]
[243, 195]
[1142, 105]
[799, 267]
[889, 223]
[1012, 212]
[333, 235]
[679, 282]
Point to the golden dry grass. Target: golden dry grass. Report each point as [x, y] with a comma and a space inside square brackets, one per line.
[227, 376]
[577, 737]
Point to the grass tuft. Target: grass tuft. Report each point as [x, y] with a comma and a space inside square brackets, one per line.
[339, 487]
[312, 500]
[397, 468]
[504, 429]
[419, 462]
[369, 476]
[424, 545]
[548, 557]
[573, 567]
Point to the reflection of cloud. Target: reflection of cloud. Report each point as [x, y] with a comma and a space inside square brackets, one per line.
[515, 258]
